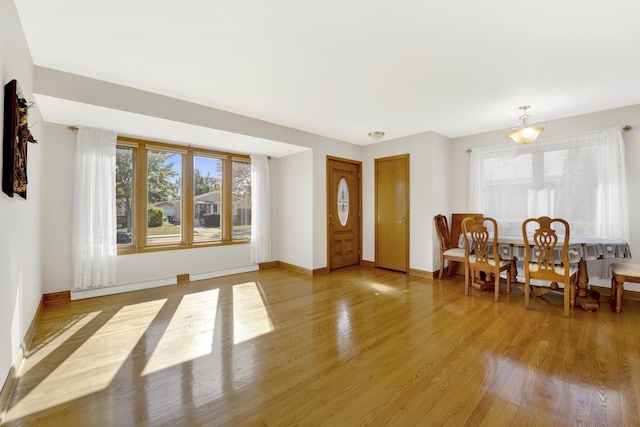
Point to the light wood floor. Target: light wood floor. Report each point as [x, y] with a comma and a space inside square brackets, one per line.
[358, 346]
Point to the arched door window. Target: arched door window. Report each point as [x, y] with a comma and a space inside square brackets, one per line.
[343, 201]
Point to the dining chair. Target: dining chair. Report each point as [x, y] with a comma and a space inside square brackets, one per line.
[448, 249]
[481, 253]
[541, 261]
[621, 273]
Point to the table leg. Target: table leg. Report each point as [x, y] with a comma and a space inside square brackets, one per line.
[482, 282]
[587, 303]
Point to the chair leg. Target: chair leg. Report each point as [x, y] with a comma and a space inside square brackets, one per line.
[467, 273]
[527, 293]
[619, 290]
[612, 298]
[441, 267]
[571, 293]
[567, 298]
[450, 268]
[496, 291]
[509, 281]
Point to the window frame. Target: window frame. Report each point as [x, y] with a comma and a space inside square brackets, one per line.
[139, 242]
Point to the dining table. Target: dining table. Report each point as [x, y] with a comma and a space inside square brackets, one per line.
[581, 250]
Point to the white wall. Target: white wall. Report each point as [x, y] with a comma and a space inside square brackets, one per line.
[459, 172]
[20, 251]
[441, 164]
[292, 210]
[429, 159]
[57, 192]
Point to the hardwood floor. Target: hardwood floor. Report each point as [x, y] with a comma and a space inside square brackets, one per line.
[358, 346]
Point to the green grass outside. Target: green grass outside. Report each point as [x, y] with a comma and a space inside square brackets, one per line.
[164, 229]
[167, 228]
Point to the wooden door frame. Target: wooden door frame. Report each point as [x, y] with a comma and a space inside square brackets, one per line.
[330, 195]
[406, 157]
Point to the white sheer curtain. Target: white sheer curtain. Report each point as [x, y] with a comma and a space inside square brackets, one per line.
[94, 215]
[580, 178]
[260, 210]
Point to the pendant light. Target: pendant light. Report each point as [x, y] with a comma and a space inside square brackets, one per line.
[525, 132]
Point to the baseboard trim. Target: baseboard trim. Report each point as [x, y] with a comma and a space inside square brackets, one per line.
[305, 271]
[269, 264]
[422, 273]
[64, 296]
[9, 385]
[606, 292]
[295, 268]
[319, 271]
[12, 378]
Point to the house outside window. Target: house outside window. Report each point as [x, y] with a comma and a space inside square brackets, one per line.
[175, 197]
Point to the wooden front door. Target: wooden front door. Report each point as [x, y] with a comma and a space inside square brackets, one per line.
[392, 212]
[343, 212]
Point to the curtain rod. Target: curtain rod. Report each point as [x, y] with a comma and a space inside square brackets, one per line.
[626, 128]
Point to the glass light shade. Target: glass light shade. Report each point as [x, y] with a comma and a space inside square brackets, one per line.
[525, 135]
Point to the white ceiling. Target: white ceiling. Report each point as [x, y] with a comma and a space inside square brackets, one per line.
[343, 68]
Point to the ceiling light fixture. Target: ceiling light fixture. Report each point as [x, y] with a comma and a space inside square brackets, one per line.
[377, 135]
[524, 132]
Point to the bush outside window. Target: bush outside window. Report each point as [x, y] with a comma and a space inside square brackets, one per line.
[175, 197]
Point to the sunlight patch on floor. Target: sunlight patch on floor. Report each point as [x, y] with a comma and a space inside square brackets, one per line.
[66, 331]
[94, 364]
[189, 334]
[250, 316]
[383, 289]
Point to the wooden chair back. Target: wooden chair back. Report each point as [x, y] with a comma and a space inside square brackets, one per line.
[541, 248]
[481, 236]
[444, 235]
[481, 240]
[543, 261]
[449, 249]
[455, 225]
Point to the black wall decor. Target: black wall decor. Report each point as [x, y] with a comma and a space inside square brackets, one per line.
[15, 138]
